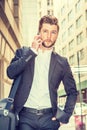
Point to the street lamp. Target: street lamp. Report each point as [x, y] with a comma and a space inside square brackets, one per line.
[80, 93]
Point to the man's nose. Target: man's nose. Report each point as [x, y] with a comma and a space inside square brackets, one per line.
[49, 35]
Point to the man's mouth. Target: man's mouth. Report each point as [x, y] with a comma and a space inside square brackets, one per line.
[46, 45]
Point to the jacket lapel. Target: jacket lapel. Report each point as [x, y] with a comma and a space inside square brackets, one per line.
[32, 66]
[52, 65]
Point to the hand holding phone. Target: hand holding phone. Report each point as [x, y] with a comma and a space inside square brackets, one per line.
[36, 42]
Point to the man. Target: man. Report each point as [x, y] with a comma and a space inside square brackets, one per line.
[41, 72]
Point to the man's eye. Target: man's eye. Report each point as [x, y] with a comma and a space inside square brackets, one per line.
[44, 31]
[54, 32]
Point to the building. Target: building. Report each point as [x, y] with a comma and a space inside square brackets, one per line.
[10, 39]
[72, 41]
[29, 21]
[45, 7]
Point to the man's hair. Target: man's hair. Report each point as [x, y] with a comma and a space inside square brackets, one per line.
[48, 19]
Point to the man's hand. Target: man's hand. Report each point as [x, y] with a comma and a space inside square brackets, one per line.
[36, 42]
[54, 118]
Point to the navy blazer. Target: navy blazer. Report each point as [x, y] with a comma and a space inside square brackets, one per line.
[23, 63]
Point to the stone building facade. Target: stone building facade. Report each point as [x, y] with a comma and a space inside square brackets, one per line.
[10, 39]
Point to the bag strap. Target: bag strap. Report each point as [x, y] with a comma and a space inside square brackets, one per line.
[12, 93]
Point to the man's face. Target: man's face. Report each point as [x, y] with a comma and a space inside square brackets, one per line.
[48, 34]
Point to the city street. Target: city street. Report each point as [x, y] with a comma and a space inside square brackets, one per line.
[52, 74]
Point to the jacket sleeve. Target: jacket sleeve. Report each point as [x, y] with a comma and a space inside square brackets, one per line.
[19, 62]
[71, 94]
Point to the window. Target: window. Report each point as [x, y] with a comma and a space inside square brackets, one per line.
[40, 4]
[81, 54]
[79, 38]
[63, 23]
[15, 1]
[16, 12]
[50, 12]
[63, 10]
[86, 14]
[70, 30]
[48, 2]
[79, 22]
[10, 2]
[72, 59]
[51, 2]
[64, 36]
[64, 51]
[0, 41]
[40, 14]
[78, 6]
[70, 15]
[86, 32]
[71, 44]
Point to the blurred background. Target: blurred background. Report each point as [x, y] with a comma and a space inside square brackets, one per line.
[18, 26]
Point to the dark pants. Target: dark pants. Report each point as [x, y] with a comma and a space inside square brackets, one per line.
[33, 121]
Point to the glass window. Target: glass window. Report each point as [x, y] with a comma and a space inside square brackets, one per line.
[86, 32]
[3, 45]
[70, 30]
[70, 15]
[48, 2]
[10, 2]
[15, 1]
[71, 44]
[63, 23]
[51, 2]
[79, 38]
[72, 59]
[64, 51]
[64, 36]
[86, 14]
[39, 4]
[0, 42]
[63, 10]
[78, 6]
[81, 52]
[48, 12]
[79, 22]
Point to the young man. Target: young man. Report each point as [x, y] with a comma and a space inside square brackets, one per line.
[42, 71]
